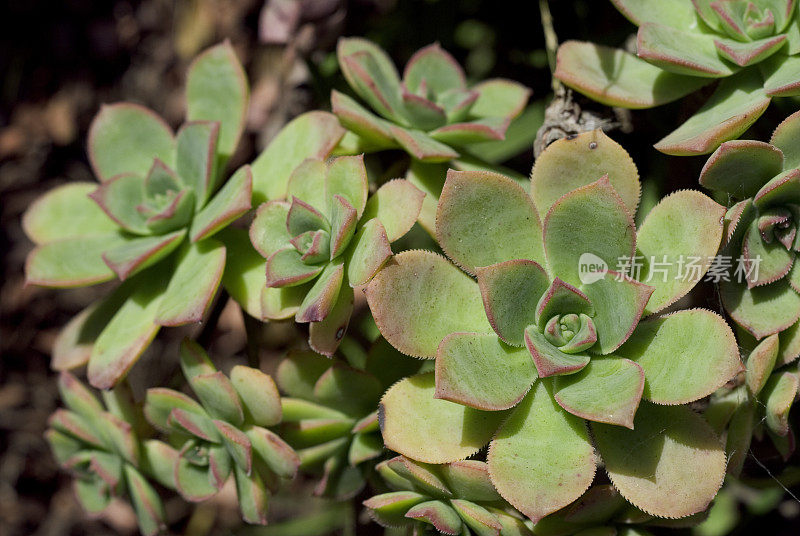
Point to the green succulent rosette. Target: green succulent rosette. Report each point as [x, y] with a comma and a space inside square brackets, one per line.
[431, 112]
[531, 351]
[330, 412]
[326, 238]
[225, 433]
[752, 46]
[150, 222]
[761, 183]
[453, 498]
[102, 449]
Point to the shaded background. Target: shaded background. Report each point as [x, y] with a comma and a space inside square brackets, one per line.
[59, 61]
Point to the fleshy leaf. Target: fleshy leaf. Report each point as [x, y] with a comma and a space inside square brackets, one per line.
[782, 189]
[119, 196]
[779, 394]
[196, 158]
[685, 355]
[606, 390]
[358, 119]
[244, 277]
[499, 98]
[785, 138]
[424, 428]
[617, 78]
[286, 268]
[435, 68]
[389, 509]
[746, 54]
[422, 113]
[571, 224]
[160, 402]
[478, 518]
[125, 138]
[677, 466]
[735, 105]
[509, 224]
[237, 444]
[325, 336]
[421, 146]
[281, 303]
[774, 260]
[253, 496]
[193, 284]
[192, 481]
[541, 458]
[559, 299]
[415, 287]
[680, 52]
[760, 363]
[137, 254]
[259, 395]
[780, 73]
[74, 262]
[275, 453]
[588, 155]
[677, 14]
[370, 250]
[438, 514]
[684, 225]
[311, 135]
[268, 231]
[307, 183]
[475, 131]
[741, 167]
[396, 205]
[347, 177]
[127, 334]
[619, 303]
[429, 178]
[343, 224]
[549, 360]
[66, 212]
[510, 292]
[322, 296]
[763, 310]
[371, 73]
[216, 90]
[146, 502]
[229, 203]
[482, 372]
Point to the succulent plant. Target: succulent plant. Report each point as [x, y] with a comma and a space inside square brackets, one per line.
[225, 433]
[431, 113]
[559, 344]
[330, 415]
[761, 403]
[101, 448]
[752, 45]
[453, 498]
[150, 222]
[325, 239]
[762, 183]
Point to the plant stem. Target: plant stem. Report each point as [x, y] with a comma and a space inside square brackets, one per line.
[550, 41]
